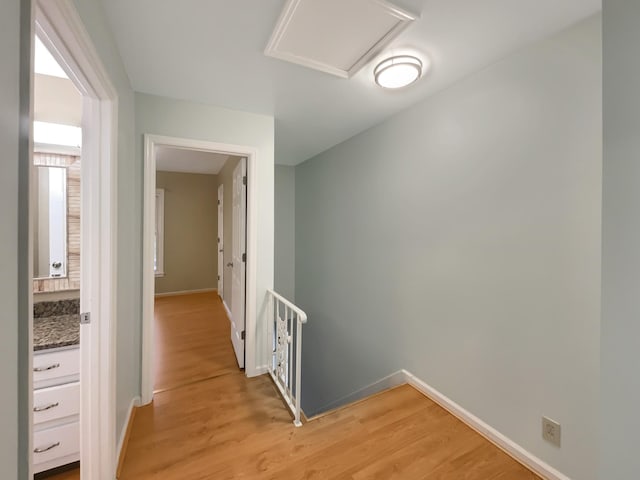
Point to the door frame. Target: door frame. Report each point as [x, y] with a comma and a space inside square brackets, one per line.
[59, 26]
[220, 244]
[151, 143]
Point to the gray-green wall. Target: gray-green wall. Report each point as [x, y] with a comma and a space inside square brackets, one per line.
[620, 417]
[461, 240]
[129, 215]
[15, 47]
[285, 198]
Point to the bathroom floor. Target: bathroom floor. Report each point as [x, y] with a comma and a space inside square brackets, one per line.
[70, 475]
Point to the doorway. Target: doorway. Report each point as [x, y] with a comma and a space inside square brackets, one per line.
[59, 27]
[228, 246]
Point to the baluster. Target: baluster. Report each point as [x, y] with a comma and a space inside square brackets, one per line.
[274, 331]
[297, 421]
[288, 374]
[278, 344]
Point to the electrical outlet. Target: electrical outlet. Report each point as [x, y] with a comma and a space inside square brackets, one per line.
[551, 431]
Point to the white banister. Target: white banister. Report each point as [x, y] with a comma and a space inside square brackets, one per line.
[285, 336]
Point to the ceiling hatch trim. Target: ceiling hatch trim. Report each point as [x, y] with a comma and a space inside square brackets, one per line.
[377, 20]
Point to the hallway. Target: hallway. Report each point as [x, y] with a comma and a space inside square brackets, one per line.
[208, 421]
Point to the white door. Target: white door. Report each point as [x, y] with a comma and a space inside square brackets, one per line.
[238, 259]
[220, 242]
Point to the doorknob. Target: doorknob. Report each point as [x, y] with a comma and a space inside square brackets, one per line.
[230, 264]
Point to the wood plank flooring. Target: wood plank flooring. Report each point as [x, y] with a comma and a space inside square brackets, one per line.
[209, 421]
[192, 340]
[70, 475]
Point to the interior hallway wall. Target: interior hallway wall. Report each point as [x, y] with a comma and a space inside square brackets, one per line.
[190, 232]
[285, 221]
[129, 215]
[460, 240]
[15, 279]
[619, 419]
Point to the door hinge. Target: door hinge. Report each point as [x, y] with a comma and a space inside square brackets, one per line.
[85, 318]
[244, 257]
[244, 180]
[218, 202]
[218, 277]
[242, 335]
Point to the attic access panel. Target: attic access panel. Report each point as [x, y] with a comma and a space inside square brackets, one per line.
[335, 36]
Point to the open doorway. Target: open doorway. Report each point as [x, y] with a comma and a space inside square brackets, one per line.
[56, 219]
[199, 263]
[73, 408]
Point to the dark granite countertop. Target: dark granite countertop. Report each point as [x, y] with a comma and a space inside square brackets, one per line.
[56, 331]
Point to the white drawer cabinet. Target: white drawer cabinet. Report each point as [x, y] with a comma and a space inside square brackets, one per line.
[54, 403]
[56, 444]
[56, 408]
[54, 368]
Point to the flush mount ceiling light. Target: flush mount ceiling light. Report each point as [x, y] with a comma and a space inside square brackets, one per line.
[398, 72]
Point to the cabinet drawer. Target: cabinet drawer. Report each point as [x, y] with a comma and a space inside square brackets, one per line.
[56, 402]
[57, 442]
[49, 366]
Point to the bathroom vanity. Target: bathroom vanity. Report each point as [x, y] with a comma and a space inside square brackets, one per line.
[56, 375]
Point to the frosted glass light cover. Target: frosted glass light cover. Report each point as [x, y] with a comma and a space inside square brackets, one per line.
[398, 72]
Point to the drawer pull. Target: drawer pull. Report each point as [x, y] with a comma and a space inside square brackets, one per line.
[44, 369]
[46, 449]
[46, 407]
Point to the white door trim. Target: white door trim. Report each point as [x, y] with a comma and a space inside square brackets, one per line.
[220, 244]
[151, 142]
[60, 27]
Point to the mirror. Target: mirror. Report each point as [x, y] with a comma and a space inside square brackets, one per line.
[50, 222]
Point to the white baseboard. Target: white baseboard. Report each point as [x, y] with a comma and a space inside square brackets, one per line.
[186, 292]
[261, 370]
[135, 402]
[226, 307]
[390, 381]
[501, 441]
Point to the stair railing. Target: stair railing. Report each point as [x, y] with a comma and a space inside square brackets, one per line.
[285, 336]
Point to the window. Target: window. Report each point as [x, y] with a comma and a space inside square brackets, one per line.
[57, 134]
[158, 247]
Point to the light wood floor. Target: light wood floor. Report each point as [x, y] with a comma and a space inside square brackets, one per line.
[211, 422]
[192, 340]
[71, 475]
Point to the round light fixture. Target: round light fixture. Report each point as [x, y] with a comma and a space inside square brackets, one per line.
[398, 72]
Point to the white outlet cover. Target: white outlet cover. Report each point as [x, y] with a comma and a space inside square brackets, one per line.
[551, 431]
